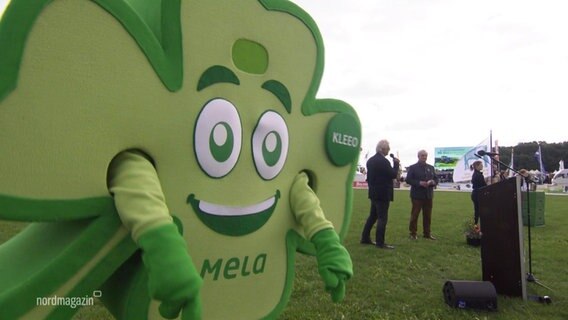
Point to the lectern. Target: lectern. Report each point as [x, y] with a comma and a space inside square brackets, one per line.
[502, 253]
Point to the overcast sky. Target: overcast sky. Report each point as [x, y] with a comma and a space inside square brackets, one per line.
[445, 73]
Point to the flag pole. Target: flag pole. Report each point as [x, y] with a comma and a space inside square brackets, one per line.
[512, 162]
[491, 150]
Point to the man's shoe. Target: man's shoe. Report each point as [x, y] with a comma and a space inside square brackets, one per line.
[413, 237]
[368, 242]
[385, 246]
[430, 238]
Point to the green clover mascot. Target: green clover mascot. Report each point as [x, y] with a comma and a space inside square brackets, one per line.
[170, 156]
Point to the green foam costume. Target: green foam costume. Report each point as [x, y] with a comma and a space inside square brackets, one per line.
[170, 155]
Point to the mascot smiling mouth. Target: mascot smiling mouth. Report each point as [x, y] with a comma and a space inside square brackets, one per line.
[234, 221]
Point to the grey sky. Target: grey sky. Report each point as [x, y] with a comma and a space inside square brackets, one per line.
[426, 74]
[441, 73]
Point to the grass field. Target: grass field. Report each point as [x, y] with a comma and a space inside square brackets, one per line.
[406, 283]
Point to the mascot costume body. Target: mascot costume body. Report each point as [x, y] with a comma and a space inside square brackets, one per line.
[169, 155]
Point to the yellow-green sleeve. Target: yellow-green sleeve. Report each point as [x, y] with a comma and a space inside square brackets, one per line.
[138, 196]
[306, 207]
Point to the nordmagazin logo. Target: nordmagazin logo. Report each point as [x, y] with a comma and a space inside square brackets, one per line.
[72, 302]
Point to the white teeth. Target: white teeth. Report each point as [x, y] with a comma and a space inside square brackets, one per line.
[226, 211]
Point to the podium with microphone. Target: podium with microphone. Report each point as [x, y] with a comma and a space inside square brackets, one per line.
[502, 245]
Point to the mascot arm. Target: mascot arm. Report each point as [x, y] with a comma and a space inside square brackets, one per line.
[334, 263]
[306, 207]
[137, 193]
[172, 277]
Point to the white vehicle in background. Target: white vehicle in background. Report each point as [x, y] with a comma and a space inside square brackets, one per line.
[561, 179]
[360, 177]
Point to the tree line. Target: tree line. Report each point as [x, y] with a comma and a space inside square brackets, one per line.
[524, 155]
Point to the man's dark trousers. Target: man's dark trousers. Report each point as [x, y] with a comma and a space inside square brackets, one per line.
[379, 213]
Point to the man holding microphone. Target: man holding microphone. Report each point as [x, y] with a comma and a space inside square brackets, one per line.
[380, 176]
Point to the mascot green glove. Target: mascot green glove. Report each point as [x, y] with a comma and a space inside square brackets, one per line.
[334, 262]
[170, 156]
[172, 277]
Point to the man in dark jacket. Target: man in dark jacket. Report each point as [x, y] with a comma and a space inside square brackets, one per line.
[380, 177]
[422, 179]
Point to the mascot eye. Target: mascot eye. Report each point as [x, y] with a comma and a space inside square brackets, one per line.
[270, 145]
[218, 138]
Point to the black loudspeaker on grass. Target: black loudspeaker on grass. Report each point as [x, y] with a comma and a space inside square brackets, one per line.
[470, 294]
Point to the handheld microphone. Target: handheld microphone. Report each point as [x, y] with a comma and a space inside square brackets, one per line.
[485, 153]
[392, 156]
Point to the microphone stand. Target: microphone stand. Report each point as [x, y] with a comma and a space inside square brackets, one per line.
[528, 180]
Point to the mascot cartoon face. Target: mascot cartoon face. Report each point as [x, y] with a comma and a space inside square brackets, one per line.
[221, 95]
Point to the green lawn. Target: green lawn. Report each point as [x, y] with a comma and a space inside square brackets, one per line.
[406, 283]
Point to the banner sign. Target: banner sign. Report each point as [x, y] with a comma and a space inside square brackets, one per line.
[462, 169]
[448, 157]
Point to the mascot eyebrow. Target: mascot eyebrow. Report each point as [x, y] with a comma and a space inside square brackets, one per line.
[221, 74]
